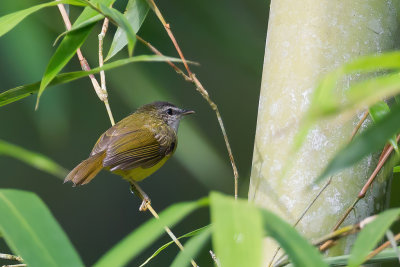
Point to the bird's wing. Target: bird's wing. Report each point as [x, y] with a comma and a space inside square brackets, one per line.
[138, 148]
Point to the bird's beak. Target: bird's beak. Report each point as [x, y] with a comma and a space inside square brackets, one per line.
[187, 112]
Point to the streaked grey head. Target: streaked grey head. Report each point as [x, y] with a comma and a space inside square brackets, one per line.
[168, 112]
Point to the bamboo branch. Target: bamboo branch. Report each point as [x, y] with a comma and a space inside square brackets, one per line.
[10, 257]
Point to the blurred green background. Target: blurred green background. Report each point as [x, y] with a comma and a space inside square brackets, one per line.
[225, 37]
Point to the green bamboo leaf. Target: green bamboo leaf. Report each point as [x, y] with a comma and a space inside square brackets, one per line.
[36, 160]
[120, 20]
[190, 234]
[377, 112]
[136, 12]
[143, 236]
[23, 91]
[237, 231]
[326, 102]
[396, 169]
[192, 248]
[393, 242]
[68, 46]
[386, 255]
[65, 51]
[89, 12]
[367, 142]
[371, 235]
[296, 247]
[31, 231]
[9, 21]
[80, 26]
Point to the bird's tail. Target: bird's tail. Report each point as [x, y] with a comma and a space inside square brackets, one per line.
[86, 170]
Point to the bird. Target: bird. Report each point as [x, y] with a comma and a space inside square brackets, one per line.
[135, 147]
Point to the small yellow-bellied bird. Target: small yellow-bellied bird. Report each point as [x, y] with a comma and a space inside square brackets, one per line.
[135, 147]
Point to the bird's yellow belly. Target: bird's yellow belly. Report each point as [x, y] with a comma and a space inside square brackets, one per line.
[140, 173]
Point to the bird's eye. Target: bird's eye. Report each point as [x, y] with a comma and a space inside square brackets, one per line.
[169, 111]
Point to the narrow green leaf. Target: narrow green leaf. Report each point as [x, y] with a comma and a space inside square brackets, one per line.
[192, 248]
[296, 247]
[386, 255]
[326, 102]
[36, 160]
[136, 12]
[65, 51]
[31, 231]
[143, 236]
[371, 235]
[379, 110]
[396, 169]
[9, 21]
[68, 46]
[89, 12]
[371, 63]
[390, 237]
[192, 233]
[237, 231]
[80, 26]
[23, 91]
[367, 142]
[118, 18]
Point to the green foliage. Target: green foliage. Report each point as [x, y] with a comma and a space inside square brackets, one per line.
[369, 141]
[23, 91]
[190, 234]
[33, 159]
[65, 51]
[297, 248]
[237, 231]
[8, 22]
[378, 111]
[123, 23]
[327, 103]
[371, 235]
[31, 231]
[192, 248]
[142, 237]
[136, 12]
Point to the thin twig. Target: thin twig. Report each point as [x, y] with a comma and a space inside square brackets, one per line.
[215, 259]
[170, 34]
[382, 159]
[302, 215]
[102, 73]
[10, 257]
[169, 232]
[329, 243]
[380, 248]
[199, 87]
[355, 130]
[16, 265]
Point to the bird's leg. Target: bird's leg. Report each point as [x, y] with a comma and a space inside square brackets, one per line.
[135, 189]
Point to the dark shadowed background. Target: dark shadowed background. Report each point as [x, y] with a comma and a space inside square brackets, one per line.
[226, 37]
